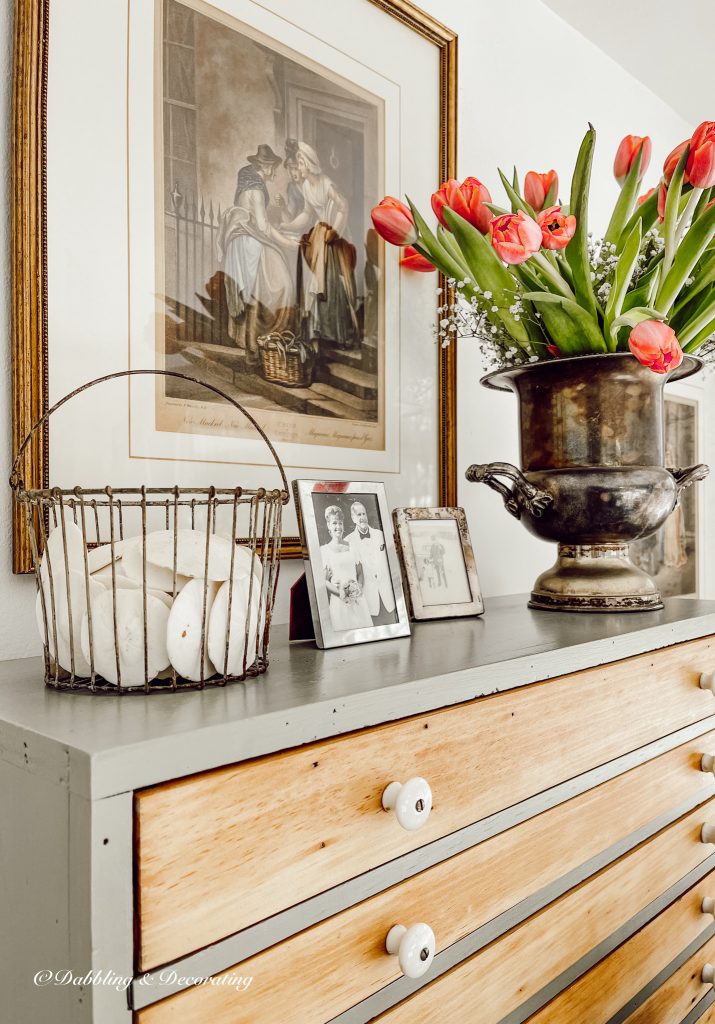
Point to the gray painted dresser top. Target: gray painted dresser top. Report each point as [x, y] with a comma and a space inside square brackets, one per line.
[109, 745]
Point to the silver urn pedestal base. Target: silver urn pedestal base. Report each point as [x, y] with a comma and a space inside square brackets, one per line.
[595, 578]
[593, 475]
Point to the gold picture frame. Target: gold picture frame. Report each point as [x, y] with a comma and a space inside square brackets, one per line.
[29, 246]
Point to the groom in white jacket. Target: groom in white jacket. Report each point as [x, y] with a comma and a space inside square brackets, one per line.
[368, 547]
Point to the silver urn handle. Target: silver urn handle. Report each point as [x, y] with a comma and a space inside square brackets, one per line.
[684, 478]
[520, 497]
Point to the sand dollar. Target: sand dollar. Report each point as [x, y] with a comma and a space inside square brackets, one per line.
[183, 631]
[157, 577]
[218, 627]
[55, 547]
[103, 556]
[190, 553]
[64, 602]
[130, 636]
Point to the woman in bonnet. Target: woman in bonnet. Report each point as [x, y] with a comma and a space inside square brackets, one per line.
[326, 267]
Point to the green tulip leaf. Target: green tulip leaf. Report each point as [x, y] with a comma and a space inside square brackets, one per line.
[621, 280]
[692, 247]
[634, 316]
[577, 249]
[488, 272]
[569, 325]
[433, 249]
[704, 315]
[517, 203]
[625, 202]
[646, 214]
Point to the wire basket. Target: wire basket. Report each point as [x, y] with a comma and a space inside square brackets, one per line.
[151, 589]
[286, 360]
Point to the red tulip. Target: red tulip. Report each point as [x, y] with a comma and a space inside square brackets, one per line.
[467, 200]
[553, 350]
[654, 344]
[394, 222]
[700, 167]
[515, 237]
[557, 230]
[537, 187]
[413, 260]
[646, 195]
[671, 162]
[662, 196]
[626, 154]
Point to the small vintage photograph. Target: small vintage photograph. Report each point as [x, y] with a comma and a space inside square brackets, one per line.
[351, 563]
[438, 561]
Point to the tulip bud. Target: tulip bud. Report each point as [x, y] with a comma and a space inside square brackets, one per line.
[671, 162]
[700, 167]
[537, 187]
[655, 345]
[556, 229]
[626, 154]
[662, 198]
[467, 200]
[646, 195]
[515, 237]
[394, 222]
[413, 260]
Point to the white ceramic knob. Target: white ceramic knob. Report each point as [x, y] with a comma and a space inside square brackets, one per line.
[707, 681]
[708, 974]
[707, 763]
[411, 802]
[707, 833]
[414, 947]
[708, 906]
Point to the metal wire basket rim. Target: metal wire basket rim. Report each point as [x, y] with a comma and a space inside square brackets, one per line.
[17, 484]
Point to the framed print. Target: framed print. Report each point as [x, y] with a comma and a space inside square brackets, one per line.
[436, 553]
[672, 554]
[351, 566]
[204, 209]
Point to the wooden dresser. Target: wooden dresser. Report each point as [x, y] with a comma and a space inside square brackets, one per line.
[547, 853]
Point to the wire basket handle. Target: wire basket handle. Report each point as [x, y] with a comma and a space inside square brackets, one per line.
[16, 482]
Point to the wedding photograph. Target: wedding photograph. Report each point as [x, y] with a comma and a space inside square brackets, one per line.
[351, 565]
[354, 558]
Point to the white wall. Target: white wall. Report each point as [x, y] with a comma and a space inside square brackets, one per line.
[528, 85]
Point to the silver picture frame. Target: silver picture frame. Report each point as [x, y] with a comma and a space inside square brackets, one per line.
[437, 558]
[353, 578]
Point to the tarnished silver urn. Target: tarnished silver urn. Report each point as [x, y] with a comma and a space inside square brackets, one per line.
[592, 474]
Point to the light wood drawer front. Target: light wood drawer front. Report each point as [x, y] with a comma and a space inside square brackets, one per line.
[708, 1017]
[319, 973]
[512, 969]
[608, 986]
[674, 1000]
[220, 851]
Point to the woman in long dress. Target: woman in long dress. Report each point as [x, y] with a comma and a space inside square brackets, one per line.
[326, 266]
[347, 602]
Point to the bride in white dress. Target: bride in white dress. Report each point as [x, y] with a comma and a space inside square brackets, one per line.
[347, 602]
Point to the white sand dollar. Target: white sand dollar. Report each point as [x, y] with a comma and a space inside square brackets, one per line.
[76, 602]
[183, 631]
[103, 556]
[121, 580]
[130, 636]
[190, 553]
[161, 595]
[55, 547]
[218, 627]
[157, 577]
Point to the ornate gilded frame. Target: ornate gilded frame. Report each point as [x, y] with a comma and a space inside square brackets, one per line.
[28, 247]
